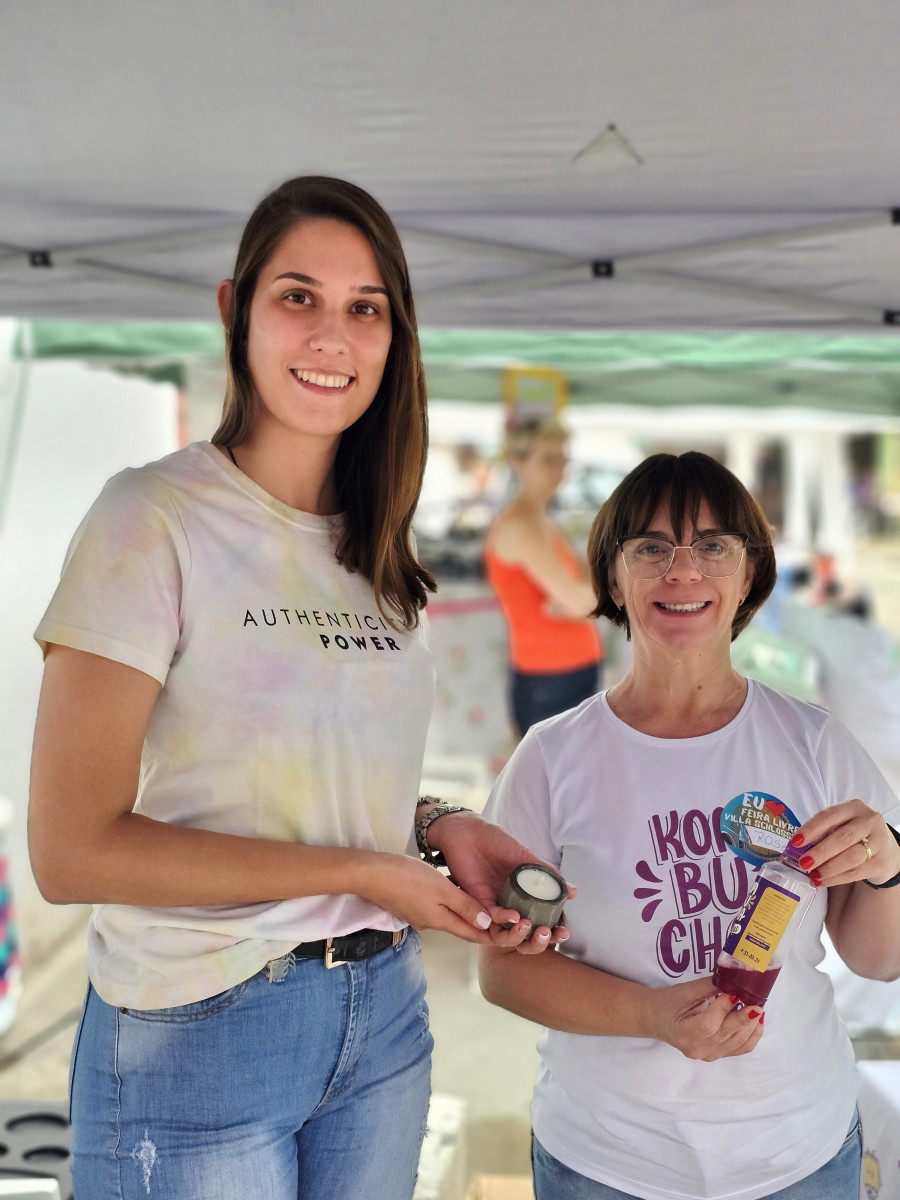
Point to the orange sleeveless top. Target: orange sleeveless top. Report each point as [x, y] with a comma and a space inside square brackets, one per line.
[539, 643]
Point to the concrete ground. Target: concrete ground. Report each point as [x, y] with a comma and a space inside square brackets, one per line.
[482, 1053]
[34, 1053]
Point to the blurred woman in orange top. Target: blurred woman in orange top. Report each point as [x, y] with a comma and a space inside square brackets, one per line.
[555, 649]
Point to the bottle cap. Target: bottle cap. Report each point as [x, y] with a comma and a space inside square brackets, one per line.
[792, 854]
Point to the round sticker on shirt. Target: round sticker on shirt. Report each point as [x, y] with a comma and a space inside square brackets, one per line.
[757, 826]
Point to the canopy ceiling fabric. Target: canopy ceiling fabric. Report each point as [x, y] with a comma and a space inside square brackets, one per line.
[762, 193]
[843, 373]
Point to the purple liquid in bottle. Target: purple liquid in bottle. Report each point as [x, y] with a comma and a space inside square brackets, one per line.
[750, 987]
[760, 936]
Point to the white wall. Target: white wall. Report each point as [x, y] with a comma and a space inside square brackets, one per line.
[81, 426]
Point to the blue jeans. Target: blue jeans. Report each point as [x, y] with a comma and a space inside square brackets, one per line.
[534, 697]
[314, 1087]
[838, 1179]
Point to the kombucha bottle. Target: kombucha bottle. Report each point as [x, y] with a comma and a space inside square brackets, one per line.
[761, 934]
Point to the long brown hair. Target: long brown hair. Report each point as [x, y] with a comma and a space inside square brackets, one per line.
[682, 482]
[381, 457]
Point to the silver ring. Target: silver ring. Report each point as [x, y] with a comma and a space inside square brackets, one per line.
[865, 844]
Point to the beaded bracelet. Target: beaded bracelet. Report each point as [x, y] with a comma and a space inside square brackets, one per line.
[895, 879]
[429, 855]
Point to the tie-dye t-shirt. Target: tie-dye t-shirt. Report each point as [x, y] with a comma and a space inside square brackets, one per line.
[289, 709]
[635, 822]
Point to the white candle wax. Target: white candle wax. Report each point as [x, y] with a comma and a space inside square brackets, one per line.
[538, 884]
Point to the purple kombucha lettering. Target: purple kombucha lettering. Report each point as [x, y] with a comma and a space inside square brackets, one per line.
[692, 894]
[666, 842]
[670, 954]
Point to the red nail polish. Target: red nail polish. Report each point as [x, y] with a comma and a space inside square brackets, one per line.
[798, 839]
[816, 877]
[753, 1014]
[733, 999]
[762, 1018]
[806, 861]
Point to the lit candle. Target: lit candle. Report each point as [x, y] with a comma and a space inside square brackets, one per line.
[537, 893]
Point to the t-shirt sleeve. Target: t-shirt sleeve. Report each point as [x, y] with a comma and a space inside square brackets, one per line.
[520, 800]
[848, 773]
[120, 592]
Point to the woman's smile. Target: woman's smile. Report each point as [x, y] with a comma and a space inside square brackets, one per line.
[322, 381]
[694, 606]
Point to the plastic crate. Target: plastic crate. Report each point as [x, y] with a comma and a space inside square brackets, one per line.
[35, 1144]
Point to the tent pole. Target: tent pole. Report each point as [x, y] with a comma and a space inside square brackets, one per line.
[740, 291]
[576, 273]
[17, 420]
[758, 241]
[484, 245]
[16, 256]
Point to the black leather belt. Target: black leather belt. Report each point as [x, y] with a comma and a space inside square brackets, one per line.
[352, 948]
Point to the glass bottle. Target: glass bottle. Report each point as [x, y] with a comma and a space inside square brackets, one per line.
[760, 936]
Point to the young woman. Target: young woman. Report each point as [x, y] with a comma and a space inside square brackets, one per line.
[228, 749]
[555, 650]
[652, 1085]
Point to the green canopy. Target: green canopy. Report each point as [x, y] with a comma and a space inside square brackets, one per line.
[156, 349]
[855, 374]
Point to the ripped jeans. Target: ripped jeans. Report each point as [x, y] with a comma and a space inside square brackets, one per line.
[312, 1086]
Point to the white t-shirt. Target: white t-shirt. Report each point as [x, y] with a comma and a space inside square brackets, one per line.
[633, 821]
[290, 709]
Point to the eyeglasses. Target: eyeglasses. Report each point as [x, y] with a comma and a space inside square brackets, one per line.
[717, 555]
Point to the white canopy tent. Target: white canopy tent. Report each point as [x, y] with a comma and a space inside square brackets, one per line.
[751, 179]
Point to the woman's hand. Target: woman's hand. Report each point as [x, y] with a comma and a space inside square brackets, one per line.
[480, 857]
[416, 893]
[699, 1022]
[575, 997]
[862, 922]
[839, 838]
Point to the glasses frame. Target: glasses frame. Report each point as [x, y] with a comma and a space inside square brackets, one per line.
[620, 543]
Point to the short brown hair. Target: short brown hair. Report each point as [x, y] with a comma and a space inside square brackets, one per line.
[683, 482]
[381, 457]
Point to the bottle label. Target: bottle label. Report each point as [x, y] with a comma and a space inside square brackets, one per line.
[767, 918]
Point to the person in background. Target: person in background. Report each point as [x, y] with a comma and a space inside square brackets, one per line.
[228, 749]
[10, 963]
[653, 1085]
[555, 648]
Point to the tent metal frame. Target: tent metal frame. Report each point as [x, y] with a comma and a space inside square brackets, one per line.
[656, 269]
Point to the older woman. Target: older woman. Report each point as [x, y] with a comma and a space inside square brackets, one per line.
[653, 1085]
